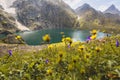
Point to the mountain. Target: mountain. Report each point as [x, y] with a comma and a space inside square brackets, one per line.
[84, 8]
[7, 22]
[42, 14]
[87, 13]
[89, 18]
[1, 7]
[112, 9]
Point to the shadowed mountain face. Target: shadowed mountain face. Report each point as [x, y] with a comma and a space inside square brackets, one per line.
[112, 9]
[41, 14]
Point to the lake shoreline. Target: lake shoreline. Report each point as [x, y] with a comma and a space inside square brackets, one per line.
[4, 48]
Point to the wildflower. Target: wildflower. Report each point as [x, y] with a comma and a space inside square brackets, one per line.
[18, 37]
[93, 32]
[98, 49]
[10, 52]
[93, 37]
[87, 56]
[63, 39]
[67, 40]
[46, 61]
[46, 38]
[68, 45]
[81, 48]
[74, 60]
[60, 55]
[49, 72]
[117, 43]
[88, 38]
[50, 46]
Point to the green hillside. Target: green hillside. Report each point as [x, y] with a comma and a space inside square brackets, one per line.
[92, 60]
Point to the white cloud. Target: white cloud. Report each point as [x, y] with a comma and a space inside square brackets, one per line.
[102, 8]
[73, 3]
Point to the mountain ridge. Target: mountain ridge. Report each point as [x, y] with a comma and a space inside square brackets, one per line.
[39, 14]
[82, 9]
[112, 9]
[89, 18]
[45, 14]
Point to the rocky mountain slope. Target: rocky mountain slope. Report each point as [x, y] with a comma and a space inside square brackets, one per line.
[7, 22]
[42, 14]
[90, 18]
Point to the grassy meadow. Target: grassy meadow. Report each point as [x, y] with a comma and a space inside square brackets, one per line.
[67, 60]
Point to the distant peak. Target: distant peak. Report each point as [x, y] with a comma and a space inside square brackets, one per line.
[112, 9]
[86, 5]
[112, 6]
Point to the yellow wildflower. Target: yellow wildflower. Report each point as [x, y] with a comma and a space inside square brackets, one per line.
[81, 48]
[67, 40]
[93, 32]
[98, 49]
[87, 56]
[61, 54]
[93, 37]
[46, 38]
[50, 46]
[18, 37]
[49, 72]
[75, 59]
[63, 39]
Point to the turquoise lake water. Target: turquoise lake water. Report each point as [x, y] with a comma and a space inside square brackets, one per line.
[35, 37]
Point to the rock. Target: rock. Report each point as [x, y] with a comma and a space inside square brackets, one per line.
[10, 39]
[7, 22]
[42, 14]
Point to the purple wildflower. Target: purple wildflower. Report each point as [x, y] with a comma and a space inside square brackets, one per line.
[10, 52]
[117, 43]
[88, 38]
[68, 45]
[46, 61]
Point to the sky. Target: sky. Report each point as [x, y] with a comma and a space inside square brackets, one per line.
[97, 4]
[101, 5]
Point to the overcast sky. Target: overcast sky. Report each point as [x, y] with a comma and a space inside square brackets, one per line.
[97, 4]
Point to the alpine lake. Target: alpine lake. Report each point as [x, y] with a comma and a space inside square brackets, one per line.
[35, 37]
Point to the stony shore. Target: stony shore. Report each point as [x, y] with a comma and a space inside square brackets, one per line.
[19, 47]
